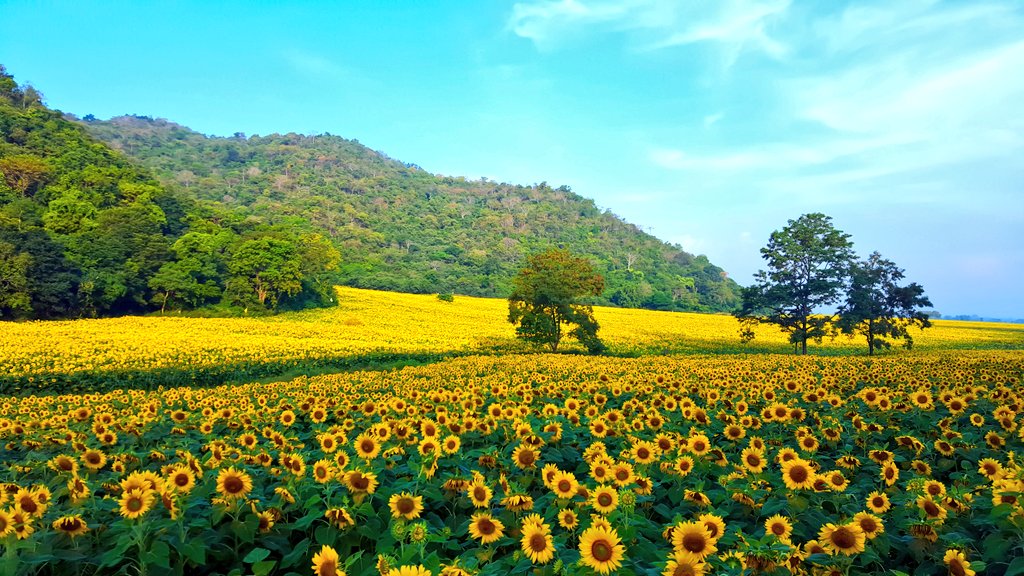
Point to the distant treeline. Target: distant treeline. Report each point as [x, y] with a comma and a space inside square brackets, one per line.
[135, 214]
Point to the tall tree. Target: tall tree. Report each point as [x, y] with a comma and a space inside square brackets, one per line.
[878, 308]
[808, 263]
[265, 268]
[546, 299]
[15, 301]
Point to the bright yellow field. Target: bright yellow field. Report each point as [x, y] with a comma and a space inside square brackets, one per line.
[368, 321]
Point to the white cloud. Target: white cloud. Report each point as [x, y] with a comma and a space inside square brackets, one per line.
[734, 25]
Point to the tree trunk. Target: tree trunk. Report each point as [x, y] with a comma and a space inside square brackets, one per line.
[871, 339]
[163, 305]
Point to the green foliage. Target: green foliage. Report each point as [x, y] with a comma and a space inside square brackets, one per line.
[84, 231]
[446, 297]
[878, 308]
[404, 229]
[808, 263]
[547, 296]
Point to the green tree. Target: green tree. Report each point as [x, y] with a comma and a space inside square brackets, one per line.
[546, 298]
[808, 263]
[24, 173]
[15, 301]
[878, 308]
[265, 268]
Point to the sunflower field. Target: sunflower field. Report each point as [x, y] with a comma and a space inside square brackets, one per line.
[531, 464]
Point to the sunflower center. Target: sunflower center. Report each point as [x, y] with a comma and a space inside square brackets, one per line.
[844, 538]
[778, 529]
[485, 526]
[712, 528]
[931, 509]
[134, 505]
[233, 485]
[479, 493]
[526, 457]
[798, 474]
[684, 569]
[601, 550]
[367, 446]
[564, 486]
[868, 525]
[29, 505]
[753, 460]
[538, 543]
[694, 543]
[643, 454]
[604, 499]
[956, 568]
[406, 505]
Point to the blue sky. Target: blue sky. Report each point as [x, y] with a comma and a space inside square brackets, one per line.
[709, 123]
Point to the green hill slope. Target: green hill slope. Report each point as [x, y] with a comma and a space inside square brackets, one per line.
[401, 228]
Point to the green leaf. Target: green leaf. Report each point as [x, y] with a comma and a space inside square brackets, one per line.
[158, 555]
[256, 555]
[263, 568]
[195, 551]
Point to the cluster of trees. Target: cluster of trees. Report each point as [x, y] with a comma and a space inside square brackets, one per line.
[85, 232]
[810, 266]
[401, 228]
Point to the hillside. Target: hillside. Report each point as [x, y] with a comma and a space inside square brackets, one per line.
[401, 228]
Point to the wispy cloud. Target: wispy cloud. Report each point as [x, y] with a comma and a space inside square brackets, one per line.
[734, 25]
[311, 64]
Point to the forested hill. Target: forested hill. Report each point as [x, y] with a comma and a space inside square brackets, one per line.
[401, 228]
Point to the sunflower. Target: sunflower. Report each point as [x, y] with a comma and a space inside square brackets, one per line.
[405, 505]
[836, 481]
[714, 524]
[698, 444]
[567, 519]
[451, 444]
[339, 517]
[752, 459]
[22, 524]
[870, 524]
[644, 452]
[683, 465]
[683, 564]
[537, 542]
[94, 459]
[797, 473]
[322, 471]
[480, 494]
[622, 474]
[564, 484]
[890, 473]
[6, 523]
[604, 499]
[601, 549]
[361, 482]
[485, 528]
[233, 483]
[63, 463]
[878, 502]
[845, 539]
[181, 479]
[693, 538]
[366, 446]
[990, 468]
[932, 509]
[135, 503]
[70, 525]
[28, 502]
[418, 570]
[265, 521]
[325, 562]
[779, 527]
[524, 457]
[957, 563]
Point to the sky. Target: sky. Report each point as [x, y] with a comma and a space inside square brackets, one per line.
[708, 123]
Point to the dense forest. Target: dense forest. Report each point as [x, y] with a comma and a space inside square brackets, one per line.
[135, 214]
[84, 231]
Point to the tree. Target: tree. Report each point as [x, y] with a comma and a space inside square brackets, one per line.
[546, 298]
[268, 268]
[878, 308]
[808, 263]
[15, 301]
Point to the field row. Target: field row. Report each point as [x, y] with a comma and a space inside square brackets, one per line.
[179, 351]
[559, 464]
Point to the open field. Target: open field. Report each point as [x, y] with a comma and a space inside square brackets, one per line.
[690, 464]
[369, 326]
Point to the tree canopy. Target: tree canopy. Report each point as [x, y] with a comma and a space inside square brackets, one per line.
[547, 301]
[878, 308]
[808, 262]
